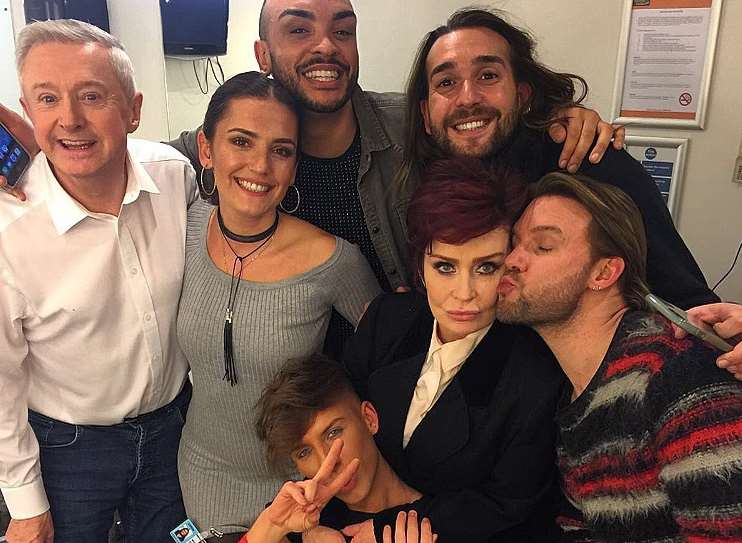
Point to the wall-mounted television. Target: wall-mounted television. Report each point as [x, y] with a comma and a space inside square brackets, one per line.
[94, 12]
[194, 27]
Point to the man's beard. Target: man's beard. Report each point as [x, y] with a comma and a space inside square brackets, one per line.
[506, 123]
[549, 305]
[291, 80]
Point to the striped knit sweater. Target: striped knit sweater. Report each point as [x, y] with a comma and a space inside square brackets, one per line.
[651, 451]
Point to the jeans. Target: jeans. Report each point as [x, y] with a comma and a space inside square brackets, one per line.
[91, 471]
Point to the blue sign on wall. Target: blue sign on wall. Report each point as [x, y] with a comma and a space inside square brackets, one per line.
[661, 172]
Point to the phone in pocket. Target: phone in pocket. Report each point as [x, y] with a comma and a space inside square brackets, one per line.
[14, 158]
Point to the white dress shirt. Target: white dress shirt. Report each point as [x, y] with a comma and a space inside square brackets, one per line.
[443, 362]
[88, 304]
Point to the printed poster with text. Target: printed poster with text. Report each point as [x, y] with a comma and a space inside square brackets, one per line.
[665, 58]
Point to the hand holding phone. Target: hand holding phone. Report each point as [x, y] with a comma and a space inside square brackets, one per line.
[680, 318]
[14, 158]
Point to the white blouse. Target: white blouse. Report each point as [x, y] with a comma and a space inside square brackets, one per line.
[443, 362]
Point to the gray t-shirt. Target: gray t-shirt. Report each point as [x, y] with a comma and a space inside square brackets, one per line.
[225, 478]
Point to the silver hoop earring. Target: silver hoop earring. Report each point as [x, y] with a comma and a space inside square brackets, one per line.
[202, 186]
[298, 201]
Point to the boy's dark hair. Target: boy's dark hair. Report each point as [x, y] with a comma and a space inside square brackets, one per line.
[290, 402]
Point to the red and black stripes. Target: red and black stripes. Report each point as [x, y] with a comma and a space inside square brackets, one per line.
[652, 450]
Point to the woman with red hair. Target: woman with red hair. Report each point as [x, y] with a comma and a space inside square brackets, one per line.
[465, 403]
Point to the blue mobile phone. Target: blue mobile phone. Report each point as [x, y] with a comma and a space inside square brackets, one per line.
[14, 158]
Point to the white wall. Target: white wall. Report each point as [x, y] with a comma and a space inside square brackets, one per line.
[9, 91]
[710, 217]
[137, 24]
[187, 103]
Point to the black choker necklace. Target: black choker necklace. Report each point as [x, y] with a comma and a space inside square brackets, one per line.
[230, 373]
[246, 239]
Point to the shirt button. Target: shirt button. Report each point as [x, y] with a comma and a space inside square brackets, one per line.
[134, 271]
[375, 229]
[148, 317]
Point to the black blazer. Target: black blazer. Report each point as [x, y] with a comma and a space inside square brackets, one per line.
[485, 451]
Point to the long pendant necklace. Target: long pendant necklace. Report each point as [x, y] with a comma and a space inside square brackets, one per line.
[265, 237]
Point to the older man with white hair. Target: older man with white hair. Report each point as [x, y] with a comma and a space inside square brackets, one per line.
[93, 385]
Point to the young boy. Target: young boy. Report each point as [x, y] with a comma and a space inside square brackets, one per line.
[310, 417]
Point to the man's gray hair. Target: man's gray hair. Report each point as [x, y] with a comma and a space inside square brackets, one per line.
[72, 31]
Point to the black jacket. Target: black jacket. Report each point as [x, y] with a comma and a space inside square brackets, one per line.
[485, 452]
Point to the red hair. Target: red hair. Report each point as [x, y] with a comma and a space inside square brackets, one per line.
[460, 199]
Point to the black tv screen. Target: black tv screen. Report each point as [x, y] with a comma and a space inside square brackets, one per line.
[194, 27]
[94, 12]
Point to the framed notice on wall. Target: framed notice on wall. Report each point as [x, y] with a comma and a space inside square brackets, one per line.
[665, 59]
[664, 160]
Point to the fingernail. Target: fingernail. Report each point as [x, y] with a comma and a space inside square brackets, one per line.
[594, 157]
[722, 362]
[572, 168]
[563, 164]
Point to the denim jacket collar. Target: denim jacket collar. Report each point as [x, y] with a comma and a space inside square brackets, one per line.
[373, 135]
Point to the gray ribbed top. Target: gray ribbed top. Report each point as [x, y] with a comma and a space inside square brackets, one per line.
[225, 478]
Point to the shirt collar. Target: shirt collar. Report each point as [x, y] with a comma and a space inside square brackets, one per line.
[454, 353]
[66, 212]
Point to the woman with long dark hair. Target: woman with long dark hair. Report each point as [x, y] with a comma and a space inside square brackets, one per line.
[259, 288]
